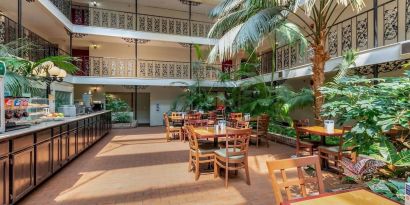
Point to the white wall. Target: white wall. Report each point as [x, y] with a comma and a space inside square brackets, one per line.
[163, 96]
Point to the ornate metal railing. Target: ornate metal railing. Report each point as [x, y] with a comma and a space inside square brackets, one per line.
[149, 69]
[141, 22]
[40, 47]
[357, 32]
[64, 6]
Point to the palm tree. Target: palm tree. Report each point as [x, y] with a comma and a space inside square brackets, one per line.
[242, 23]
[21, 73]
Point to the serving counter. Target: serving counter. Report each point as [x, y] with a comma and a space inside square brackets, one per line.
[32, 155]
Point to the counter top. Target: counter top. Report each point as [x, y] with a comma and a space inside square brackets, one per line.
[45, 125]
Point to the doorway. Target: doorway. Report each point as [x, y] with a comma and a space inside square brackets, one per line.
[143, 109]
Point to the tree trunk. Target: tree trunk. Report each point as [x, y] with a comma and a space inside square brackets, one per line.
[319, 59]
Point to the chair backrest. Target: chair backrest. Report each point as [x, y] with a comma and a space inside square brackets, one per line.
[300, 123]
[197, 123]
[281, 166]
[212, 116]
[176, 114]
[235, 116]
[194, 116]
[240, 124]
[192, 139]
[345, 130]
[237, 141]
[262, 124]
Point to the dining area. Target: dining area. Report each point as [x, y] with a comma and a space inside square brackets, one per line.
[220, 147]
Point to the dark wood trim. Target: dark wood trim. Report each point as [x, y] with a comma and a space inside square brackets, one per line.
[32, 158]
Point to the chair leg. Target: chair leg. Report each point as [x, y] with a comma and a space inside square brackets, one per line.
[190, 162]
[216, 170]
[196, 169]
[226, 175]
[267, 141]
[257, 141]
[248, 180]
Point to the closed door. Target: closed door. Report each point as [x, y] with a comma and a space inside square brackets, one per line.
[143, 108]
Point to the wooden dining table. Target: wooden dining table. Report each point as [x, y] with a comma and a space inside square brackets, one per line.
[210, 132]
[351, 197]
[322, 132]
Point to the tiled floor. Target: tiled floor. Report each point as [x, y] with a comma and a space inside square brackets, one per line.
[137, 166]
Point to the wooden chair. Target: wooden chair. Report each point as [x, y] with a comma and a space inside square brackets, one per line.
[174, 117]
[235, 154]
[262, 127]
[301, 181]
[335, 153]
[193, 116]
[197, 123]
[303, 142]
[171, 130]
[240, 124]
[198, 153]
[211, 118]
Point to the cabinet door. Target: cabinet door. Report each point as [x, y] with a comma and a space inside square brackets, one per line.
[56, 153]
[43, 161]
[64, 148]
[23, 172]
[72, 143]
[4, 181]
[80, 139]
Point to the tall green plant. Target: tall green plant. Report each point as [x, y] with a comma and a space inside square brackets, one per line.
[376, 109]
[243, 23]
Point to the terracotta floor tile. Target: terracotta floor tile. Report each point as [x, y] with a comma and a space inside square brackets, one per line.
[138, 167]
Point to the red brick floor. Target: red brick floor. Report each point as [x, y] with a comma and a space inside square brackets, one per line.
[137, 166]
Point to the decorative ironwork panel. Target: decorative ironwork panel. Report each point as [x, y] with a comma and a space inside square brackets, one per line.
[390, 24]
[157, 25]
[105, 68]
[279, 59]
[149, 24]
[165, 70]
[2, 29]
[178, 27]
[286, 57]
[142, 70]
[171, 28]
[121, 21]
[164, 25]
[178, 73]
[332, 42]
[141, 22]
[157, 73]
[194, 29]
[113, 20]
[408, 16]
[362, 33]
[150, 70]
[185, 71]
[130, 22]
[105, 18]
[172, 70]
[346, 37]
[201, 30]
[185, 28]
[96, 67]
[96, 17]
[293, 55]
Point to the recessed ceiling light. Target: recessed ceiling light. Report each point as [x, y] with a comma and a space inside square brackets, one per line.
[94, 3]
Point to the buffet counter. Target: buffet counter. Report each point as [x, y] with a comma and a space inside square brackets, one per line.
[31, 155]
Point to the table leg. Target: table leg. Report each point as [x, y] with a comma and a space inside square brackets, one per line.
[215, 142]
[325, 163]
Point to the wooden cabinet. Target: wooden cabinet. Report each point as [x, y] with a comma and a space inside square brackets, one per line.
[43, 161]
[44, 153]
[4, 179]
[28, 160]
[22, 172]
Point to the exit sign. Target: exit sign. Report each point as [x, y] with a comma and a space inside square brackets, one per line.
[2, 69]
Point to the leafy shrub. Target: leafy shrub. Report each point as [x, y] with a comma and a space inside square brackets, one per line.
[121, 117]
[116, 104]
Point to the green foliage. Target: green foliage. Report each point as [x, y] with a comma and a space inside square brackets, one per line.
[121, 117]
[20, 76]
[393, 189]
[349, 61]
[116, 104]
[376, 105]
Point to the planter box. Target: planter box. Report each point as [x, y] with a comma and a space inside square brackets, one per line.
[291, 141]
[124, 125]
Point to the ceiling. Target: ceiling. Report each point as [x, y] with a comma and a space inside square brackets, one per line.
[203, 8]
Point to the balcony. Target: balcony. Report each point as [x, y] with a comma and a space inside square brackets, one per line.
[42, 48]
[97, 17]
[145, 69]
[372, 29]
